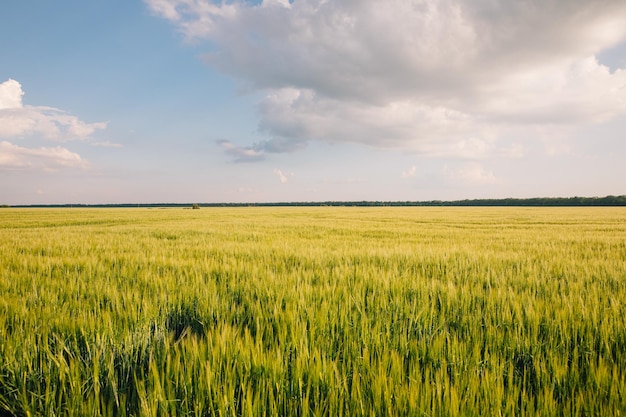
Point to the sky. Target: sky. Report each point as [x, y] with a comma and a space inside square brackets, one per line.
[183, 101]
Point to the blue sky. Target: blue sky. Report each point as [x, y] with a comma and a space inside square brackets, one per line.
[310, 100]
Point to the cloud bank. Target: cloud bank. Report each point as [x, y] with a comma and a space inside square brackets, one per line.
[438, 77]
[18, 121]
[49, 159]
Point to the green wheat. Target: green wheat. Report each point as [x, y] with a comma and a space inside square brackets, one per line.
[313, 312]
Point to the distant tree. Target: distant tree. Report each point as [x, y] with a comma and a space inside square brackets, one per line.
[196, 207]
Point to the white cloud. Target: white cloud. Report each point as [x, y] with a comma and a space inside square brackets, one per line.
[471, 174]
[107, 144]
[17, 120]
[582, 92]
[10, 94]
[440, 77]
[410, 173]
[282, 177]
[15, 157]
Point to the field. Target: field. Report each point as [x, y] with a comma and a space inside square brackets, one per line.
[313, 311]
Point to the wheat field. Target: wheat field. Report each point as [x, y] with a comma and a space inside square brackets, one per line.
[317, 311]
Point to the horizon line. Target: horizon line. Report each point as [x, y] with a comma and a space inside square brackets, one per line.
[610, 200]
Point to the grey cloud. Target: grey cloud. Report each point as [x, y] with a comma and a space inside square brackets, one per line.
[364, 49]
[241, 153]
[423, 75]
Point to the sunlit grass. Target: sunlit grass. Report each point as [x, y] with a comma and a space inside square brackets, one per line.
[313, 311]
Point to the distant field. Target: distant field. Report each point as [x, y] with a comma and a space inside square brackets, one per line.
[313, 311]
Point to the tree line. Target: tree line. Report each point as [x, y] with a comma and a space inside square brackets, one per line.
[608, 201]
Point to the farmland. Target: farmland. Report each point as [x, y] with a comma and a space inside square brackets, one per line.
[313, 311]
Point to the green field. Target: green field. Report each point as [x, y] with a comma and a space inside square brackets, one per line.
[313, 311]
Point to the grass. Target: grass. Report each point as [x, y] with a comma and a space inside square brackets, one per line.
[313, 311]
